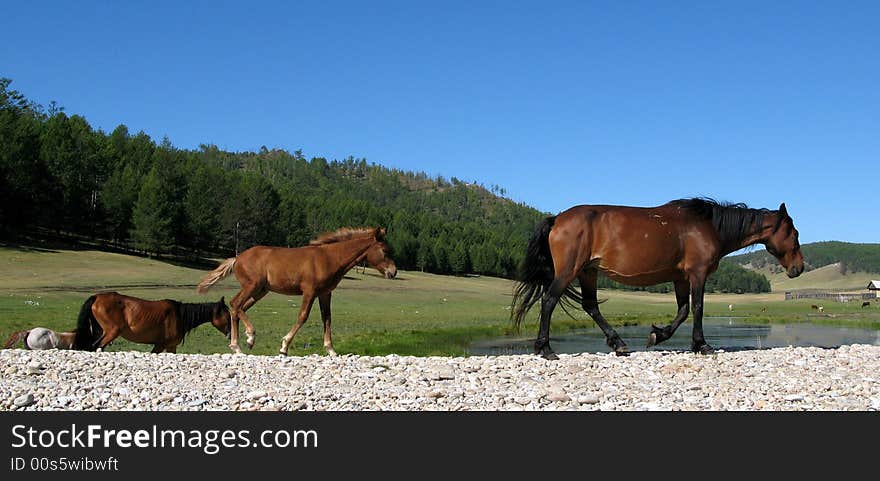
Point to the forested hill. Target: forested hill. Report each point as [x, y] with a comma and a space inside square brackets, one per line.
[59, 175]
[852, 257]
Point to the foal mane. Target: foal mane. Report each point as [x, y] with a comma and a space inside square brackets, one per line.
[733, 222]
[192, 315]
[343, 234]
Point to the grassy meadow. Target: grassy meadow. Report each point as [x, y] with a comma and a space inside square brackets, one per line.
[415, 314]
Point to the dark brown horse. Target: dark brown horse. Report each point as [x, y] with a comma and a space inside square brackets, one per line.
[312, 271]
[679, 242]
[165, 324]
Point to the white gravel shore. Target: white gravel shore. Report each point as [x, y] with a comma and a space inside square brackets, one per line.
[846, 378]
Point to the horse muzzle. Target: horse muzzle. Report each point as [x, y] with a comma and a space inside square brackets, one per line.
[391, 273]
[794, 271]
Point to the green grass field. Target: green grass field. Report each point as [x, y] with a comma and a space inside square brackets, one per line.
[415, 314]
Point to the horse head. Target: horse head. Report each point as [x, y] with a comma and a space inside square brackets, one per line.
[378, 256]
[783, 243]
[221, 317]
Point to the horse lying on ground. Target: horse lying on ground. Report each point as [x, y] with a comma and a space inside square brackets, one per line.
[165, 324]
[40, 338]
[679, 242]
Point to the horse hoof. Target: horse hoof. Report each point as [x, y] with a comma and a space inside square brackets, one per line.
[250, 343]
[704, 350]
[622, 351]
[331, 353]
[550, 356]
[652, 340]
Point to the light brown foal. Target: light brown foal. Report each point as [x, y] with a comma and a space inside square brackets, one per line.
[312, 271]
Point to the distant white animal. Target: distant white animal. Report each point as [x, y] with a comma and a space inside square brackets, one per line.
[821, 309]
[730, 307]
[40, 338]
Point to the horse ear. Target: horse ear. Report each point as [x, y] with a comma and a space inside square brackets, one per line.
[222, 300]
[783, 212]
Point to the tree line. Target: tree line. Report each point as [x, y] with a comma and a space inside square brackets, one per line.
[729, 278]
[59, 175]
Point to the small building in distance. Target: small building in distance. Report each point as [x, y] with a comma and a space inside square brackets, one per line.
[874, 286]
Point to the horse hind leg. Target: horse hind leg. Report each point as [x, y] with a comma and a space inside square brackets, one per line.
[249, 330]
[109, 336]
[590, 303]
[658, 335]
[235, 308]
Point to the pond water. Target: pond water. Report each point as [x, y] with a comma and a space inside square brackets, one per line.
[728, 333]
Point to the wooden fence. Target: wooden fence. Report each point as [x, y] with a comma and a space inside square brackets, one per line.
[831, 296]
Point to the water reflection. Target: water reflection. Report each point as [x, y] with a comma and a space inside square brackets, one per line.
[724, 333]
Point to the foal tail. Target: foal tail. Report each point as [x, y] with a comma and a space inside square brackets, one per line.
[85, 327]
[536, 273]
[15, 337]
[216, 275]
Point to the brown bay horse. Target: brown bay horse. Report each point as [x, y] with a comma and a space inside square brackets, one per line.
[312, 271]
[679, 242]
[39, 338]
[165, 324]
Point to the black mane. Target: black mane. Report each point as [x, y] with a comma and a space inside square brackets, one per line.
[191, 315]
[733, 222]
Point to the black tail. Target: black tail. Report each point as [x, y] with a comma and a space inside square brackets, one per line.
[86, 327]
[536, 274]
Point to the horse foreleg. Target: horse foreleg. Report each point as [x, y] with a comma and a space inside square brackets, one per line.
[307, 301]
[15, 337]
[324, 302]
[658, 335]
[699, 344]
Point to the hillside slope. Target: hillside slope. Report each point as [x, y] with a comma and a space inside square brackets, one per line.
[829, 265]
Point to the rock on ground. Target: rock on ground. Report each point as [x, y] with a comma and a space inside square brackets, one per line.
[845, 378]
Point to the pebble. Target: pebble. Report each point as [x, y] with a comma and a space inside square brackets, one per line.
[558, 396]
[23, 401]
[769, 379]
[588, 399]
[255, 395]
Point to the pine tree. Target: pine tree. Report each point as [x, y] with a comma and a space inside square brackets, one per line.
[458, 259]
[153, 216]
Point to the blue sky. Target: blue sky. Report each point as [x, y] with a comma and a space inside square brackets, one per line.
[561, 103]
